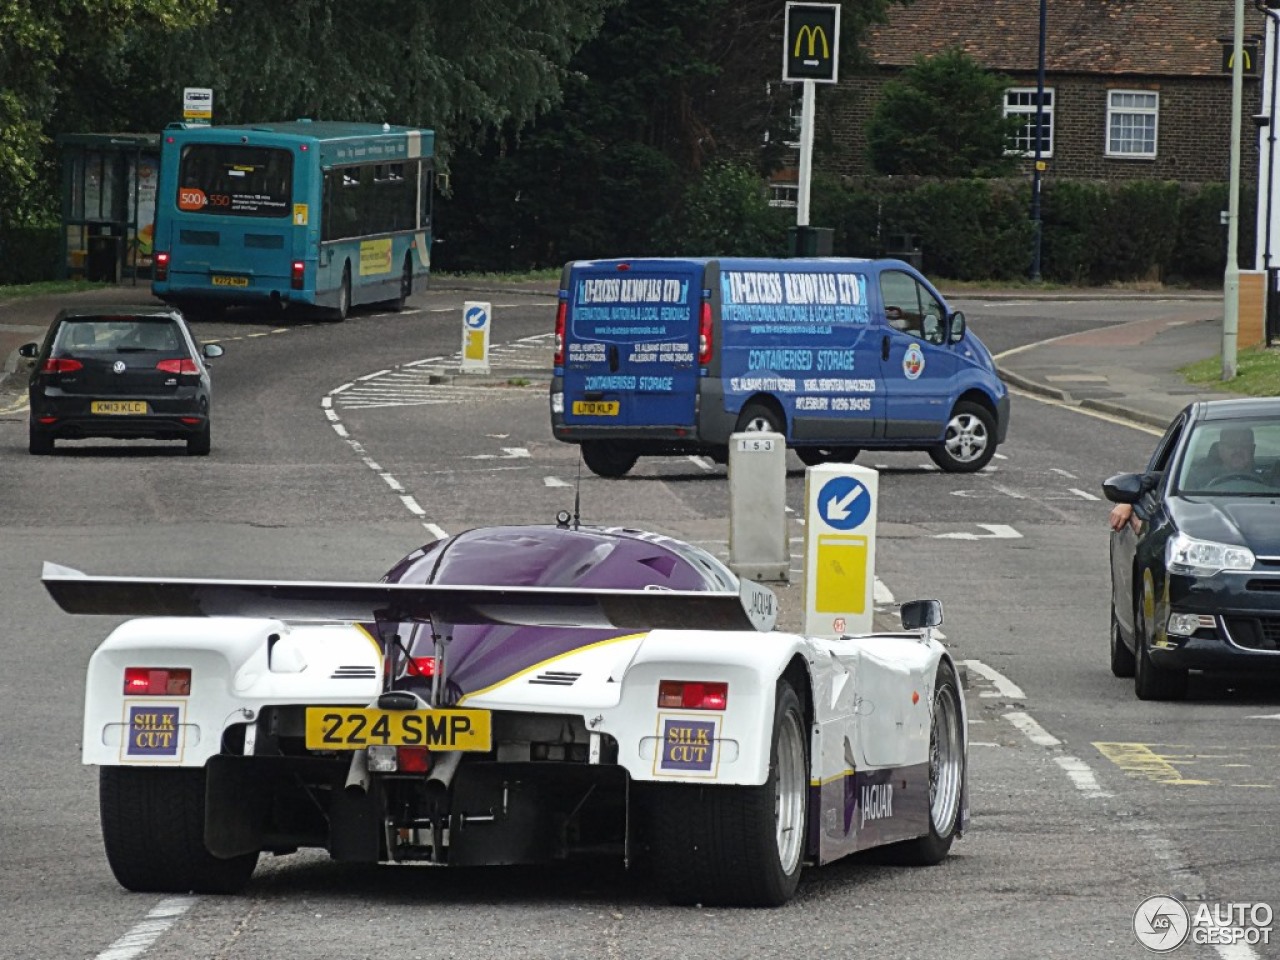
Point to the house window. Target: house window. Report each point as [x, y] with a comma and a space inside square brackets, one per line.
[1020, 102]
[784, 194]
[1132, 117]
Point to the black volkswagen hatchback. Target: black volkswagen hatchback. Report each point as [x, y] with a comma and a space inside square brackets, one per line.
[121, 372]
[1195, 580]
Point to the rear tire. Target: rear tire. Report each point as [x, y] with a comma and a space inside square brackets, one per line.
[761, 418]
[946, 778]
[738, 846]
[199, 444]
[153, 830]
[397, 303]
[1122, 660]
[969, 442]
[39, 443]
[607, 459]
[340, 312]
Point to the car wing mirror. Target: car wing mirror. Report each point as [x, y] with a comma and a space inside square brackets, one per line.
[29, 350]
[921, 614]
[211, 350]
[1128, 487]
[956, 327]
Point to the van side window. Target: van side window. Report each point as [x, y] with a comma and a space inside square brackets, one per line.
[911, 308]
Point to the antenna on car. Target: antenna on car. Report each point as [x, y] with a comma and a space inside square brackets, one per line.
[563, 517]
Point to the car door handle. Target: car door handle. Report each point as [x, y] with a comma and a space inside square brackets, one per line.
[884, 347]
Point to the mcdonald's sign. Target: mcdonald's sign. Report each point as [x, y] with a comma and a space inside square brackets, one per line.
[811, 42]
[1250, 49]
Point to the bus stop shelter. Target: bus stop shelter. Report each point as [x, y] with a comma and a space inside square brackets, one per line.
[108, 204]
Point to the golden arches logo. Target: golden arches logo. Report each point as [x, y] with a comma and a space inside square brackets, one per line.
[814, 34]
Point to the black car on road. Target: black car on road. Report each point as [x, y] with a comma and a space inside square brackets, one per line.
[119, 372]
[1195, 578]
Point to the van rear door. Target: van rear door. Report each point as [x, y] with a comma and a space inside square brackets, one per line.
[631, 343]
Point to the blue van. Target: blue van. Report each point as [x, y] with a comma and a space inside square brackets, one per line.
[661, 357]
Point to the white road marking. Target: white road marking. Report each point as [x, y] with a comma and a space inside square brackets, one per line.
[555, 482]
[1082, 777]
[1083, 494]
[435, 531]
[413, 506]
[1265, 716]
[1011, 494]
[997, 531]
[1000, 456]
[881, 594]
[393, 483]
[340, 430]
[139, 939]
[341, 389]
[371, 376]
[1063, 473]
[326, 402]
[1004, 686]
[1032, 730]
[331, 414]
[703, 463]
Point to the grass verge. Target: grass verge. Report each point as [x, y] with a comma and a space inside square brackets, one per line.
[1257, 373]
[46, 287]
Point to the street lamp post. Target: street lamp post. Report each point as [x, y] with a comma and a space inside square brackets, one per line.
[1036, 227]
[1231, 280]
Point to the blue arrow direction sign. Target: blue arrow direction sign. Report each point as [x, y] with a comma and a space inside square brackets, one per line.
[844, 503]
[476, 317]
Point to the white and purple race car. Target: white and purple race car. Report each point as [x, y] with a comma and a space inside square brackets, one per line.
[514, 695]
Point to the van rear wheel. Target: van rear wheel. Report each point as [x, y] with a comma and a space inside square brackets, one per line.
[759, 418]
[606, 459]
[812, 456]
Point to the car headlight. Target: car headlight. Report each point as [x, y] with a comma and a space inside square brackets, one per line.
[1204, 558]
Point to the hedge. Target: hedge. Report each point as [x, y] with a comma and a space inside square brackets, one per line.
[29, 254]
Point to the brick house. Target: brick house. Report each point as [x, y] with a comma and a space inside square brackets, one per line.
[1135, 89]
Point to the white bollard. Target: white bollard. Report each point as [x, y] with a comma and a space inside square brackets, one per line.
[477, 318]
[839, 549]
[758, 545]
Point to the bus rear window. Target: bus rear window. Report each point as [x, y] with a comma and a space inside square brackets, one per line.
[236, 180]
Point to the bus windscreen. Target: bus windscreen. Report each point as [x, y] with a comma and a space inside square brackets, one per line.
[236, 180]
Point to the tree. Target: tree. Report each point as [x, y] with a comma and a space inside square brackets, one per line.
[36, 37]
[943, 118]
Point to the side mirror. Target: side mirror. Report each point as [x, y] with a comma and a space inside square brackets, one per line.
[919, 614]
[211, 350]
[1129, 487]
[956, 328]
[29, 350]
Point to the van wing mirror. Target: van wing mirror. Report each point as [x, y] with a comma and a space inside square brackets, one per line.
[956, 327]
[919, 614]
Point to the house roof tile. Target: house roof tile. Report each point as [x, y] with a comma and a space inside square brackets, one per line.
[1153, 37]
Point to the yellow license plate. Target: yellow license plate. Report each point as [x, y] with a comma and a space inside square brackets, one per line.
[230, 281]
[118, 407]
[353, 728]
[596, 408]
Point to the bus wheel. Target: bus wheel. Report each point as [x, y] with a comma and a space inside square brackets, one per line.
[606, 459]
[340, 312]
[406, 287]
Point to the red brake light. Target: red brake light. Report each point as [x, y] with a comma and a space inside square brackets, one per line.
[561, 313]
[185, 365]
[704, 335]
[156, 682]
[413, 759]
[296, 274]
[61, 365]
[422, 666]
[160, 266]
[692, 695]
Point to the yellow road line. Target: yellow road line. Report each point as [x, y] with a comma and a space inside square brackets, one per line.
[1139, 760]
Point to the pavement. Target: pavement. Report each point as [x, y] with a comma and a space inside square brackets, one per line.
[1127, 370]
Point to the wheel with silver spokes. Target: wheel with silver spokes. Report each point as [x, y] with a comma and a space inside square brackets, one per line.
[969, 441]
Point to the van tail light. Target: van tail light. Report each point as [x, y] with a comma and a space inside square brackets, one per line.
[296, 274]
[61, 365]
[185, 365]
[160, 266]
[705, 346]
[693, 695]
[156, 682]
[562, 312]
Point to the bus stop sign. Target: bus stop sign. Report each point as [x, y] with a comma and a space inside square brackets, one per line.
[811, 42]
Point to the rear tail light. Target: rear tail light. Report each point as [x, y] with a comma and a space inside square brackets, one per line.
[185, 365]
[160, 267]
[296, 274]
[156, 682]
[704, 336]
[693, 695]
[413, 759]
[61, 365]
[190, 421]
[561, 313]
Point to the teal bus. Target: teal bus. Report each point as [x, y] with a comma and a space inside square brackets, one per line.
[314, 215]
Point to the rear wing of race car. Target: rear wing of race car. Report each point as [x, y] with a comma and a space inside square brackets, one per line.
[753, 608]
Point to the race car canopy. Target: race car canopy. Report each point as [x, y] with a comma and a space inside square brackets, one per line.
[753, 608]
